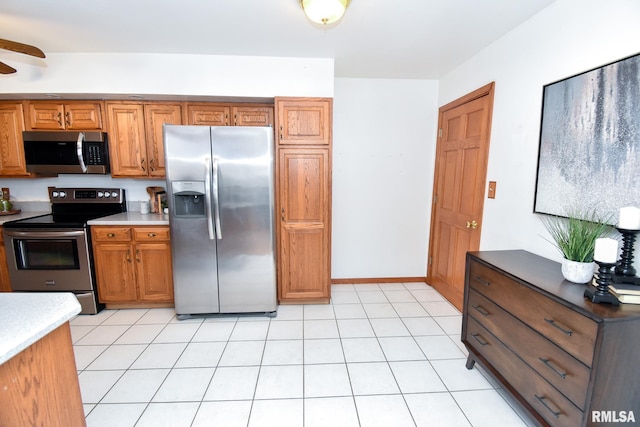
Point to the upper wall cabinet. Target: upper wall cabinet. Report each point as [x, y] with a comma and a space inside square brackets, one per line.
[68, 115]
[213, 114]
[12, 161]
[304, 121]
[136, 143]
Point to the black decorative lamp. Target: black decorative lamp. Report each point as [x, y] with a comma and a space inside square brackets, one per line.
[605, 255]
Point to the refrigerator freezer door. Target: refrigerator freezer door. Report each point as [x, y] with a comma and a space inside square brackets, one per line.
[246, 251]
[188, 154]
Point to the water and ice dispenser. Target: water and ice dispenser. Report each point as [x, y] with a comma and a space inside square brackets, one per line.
[188, 198]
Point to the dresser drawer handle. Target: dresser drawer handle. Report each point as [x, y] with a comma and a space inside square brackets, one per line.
[480, 309]
[482, 281]
[556, 325]
[110, 235]
[555, 369]
[480, 340]
[546, 405]
[151, 234]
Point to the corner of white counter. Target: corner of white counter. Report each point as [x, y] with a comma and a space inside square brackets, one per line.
[26, 317]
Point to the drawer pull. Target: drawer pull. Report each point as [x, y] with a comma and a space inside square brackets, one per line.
[557, 326]
[482, 281]
[151, 234]
[555, 369]
[546, 405]
[480, 309]
[480, 340]
[111, 235]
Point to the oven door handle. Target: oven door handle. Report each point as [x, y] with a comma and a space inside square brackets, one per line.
[43, 234]
[79, 151]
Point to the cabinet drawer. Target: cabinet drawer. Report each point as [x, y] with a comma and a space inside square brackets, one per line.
[548, 402]
[563, 371]
[568, 329]
[151, 234]
[111, 234]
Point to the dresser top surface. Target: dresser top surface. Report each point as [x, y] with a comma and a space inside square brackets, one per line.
[545, 274]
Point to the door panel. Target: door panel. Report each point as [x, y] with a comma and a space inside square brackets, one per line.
[460, 176]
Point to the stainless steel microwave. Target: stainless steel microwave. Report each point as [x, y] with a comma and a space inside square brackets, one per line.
[53, 153]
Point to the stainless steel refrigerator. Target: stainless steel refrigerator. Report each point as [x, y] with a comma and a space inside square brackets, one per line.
[220, 192]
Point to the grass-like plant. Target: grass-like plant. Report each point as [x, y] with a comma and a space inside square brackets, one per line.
[575, 236]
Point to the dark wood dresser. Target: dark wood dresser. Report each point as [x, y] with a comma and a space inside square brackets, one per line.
[568, 362]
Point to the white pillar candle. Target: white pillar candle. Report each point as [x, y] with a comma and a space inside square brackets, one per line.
[629, 218]
[606, 250]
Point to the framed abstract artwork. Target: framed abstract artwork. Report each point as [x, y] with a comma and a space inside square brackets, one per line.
[589, 156]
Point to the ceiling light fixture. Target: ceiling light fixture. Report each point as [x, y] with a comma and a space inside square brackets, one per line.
[324, 11]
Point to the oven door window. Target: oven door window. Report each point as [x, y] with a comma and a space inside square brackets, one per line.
[47, 254]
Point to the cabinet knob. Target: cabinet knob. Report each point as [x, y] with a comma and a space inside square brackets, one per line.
[110, 235]
[472, 224]
[151, 234]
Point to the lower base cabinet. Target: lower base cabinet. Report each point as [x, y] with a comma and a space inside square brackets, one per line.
[5, 283]
[133, 264]
[567, 361]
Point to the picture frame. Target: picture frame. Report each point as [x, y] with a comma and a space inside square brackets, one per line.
[589, 145]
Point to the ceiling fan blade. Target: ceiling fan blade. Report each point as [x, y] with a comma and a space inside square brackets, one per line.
[5, 69]
[21, 48]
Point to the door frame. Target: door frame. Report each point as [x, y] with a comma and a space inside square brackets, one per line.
[486, 90]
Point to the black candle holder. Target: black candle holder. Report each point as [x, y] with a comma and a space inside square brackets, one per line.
[625, 272]
[604, 278]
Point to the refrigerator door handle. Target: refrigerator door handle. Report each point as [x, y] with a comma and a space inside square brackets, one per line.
[216, 199]
[207, 196]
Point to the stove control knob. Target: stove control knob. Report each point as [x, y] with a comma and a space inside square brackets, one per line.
[100, 194]
[107, 193]
[63, 194]
[54, 194]
[114, 194]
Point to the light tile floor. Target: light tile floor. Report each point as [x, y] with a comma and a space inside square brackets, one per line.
[378, 355]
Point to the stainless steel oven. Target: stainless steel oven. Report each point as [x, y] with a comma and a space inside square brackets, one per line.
[52, 253]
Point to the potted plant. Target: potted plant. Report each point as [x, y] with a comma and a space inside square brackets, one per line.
[575, 238]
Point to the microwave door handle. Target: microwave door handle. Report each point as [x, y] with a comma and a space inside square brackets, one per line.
[79, 152]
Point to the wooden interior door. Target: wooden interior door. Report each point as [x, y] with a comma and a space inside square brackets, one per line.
[458, 196]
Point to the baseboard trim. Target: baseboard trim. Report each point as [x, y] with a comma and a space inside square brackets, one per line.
[378, 280]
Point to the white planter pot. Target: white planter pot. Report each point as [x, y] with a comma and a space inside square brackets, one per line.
[577, 272]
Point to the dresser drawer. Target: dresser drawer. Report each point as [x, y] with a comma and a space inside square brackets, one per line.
[568, 329]
[560, 369]
[548, 402]
[151, 234]
[111, 234]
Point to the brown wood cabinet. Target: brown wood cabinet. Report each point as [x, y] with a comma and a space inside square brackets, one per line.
[557, 353]
[303, 177]
[133, 264]
[136, 143]
[67, 115]
[12, 160]
[214, 114]
[5, 282]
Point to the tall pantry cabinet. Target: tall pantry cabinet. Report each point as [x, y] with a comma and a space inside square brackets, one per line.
[303, 201]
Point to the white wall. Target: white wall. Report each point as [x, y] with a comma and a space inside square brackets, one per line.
[383, 156]
[568, 37]
[156, 75]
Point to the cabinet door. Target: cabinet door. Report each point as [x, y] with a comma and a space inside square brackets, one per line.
[208, 115]
[252, 116]
[46, 116]
[115, 272]
[127, 147]
[12, 161]
[154, 273]
[304, 121]
[305, 240]
[83, 116]
[5, 283]
[157, 115]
